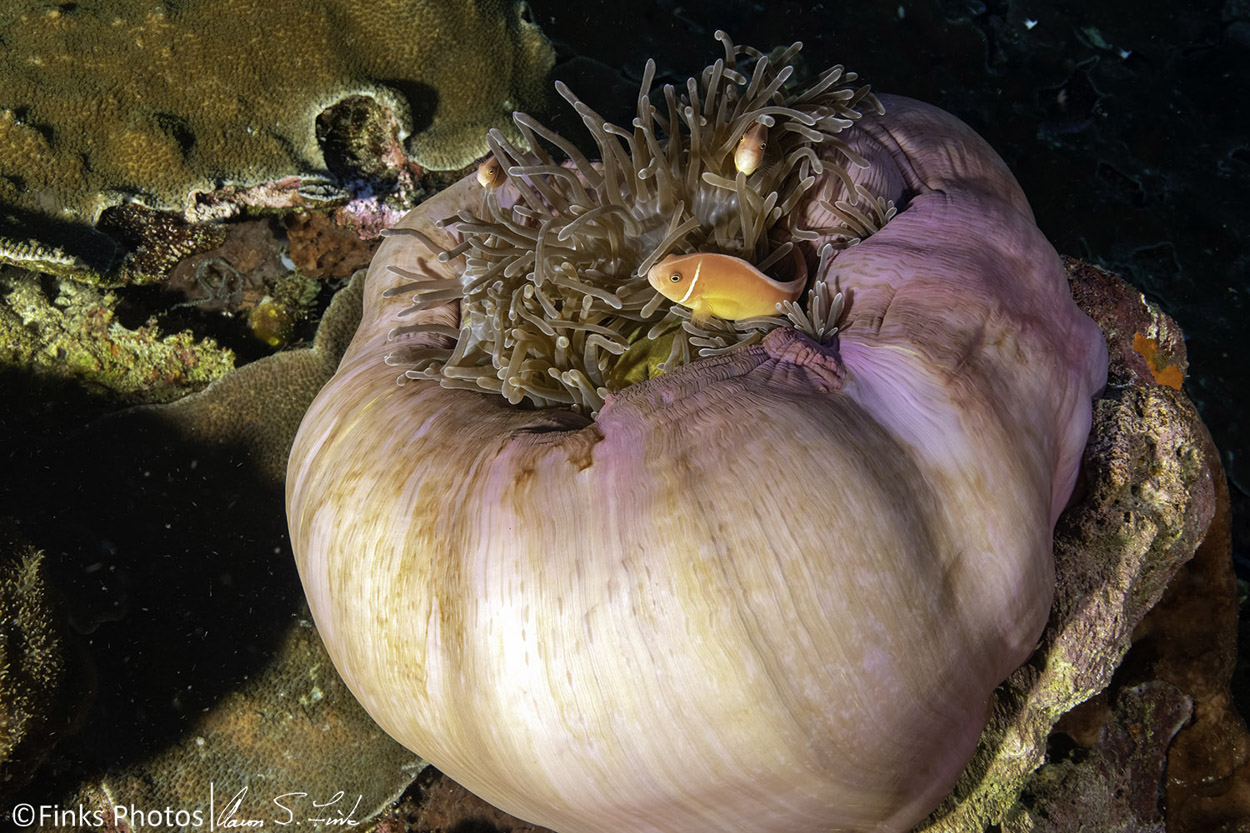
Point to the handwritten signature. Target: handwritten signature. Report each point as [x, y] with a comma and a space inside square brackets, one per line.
[293, 808]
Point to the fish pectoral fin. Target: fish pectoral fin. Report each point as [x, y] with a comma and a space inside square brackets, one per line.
[700, 312]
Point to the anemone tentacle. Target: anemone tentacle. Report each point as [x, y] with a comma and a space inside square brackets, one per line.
[569, 246]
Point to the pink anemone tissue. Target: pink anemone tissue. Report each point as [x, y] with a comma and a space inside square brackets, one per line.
[614, 567]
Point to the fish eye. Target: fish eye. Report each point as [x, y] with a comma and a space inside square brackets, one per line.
[675, 277]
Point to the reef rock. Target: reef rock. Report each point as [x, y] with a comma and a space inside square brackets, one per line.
[1147, 501]
[289, 746]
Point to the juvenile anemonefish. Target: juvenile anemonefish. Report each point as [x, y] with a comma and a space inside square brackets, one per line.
[723, 285]
[750, 150]
[490, 173]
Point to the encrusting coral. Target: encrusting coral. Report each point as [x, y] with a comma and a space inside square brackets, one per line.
[66, 330]
[770, 588]
[102, 100]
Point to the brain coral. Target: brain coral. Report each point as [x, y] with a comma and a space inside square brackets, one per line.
[105, 99]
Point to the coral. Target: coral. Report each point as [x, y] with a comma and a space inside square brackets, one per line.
[1115, 787]
[230, 201]
[323, 248]
[259, 406]
[243, 747]
[39, 693]
[49, 258]
[260, 706]
[155, 240]
[370, 215]
[359, 140]
[246, 277]
[234, 275]
[68, 330]
[102, 100]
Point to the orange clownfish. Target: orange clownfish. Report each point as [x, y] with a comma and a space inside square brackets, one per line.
[723, 285]
[750, 150]
[490, 173]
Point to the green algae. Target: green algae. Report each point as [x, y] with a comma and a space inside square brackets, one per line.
[70, 331]
[103, 101]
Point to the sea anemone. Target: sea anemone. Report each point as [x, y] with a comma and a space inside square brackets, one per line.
[555, 306]
[612, 569]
